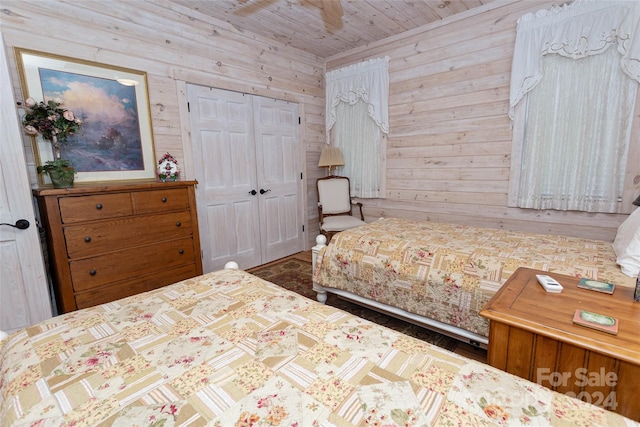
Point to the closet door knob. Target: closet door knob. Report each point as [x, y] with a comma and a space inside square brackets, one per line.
[253, 192]
[263, 191]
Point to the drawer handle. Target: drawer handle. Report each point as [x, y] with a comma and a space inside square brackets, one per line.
[178, 224]
[181, 251]
[87, 239]
[164, 200]
[99, 206]
[92, 272]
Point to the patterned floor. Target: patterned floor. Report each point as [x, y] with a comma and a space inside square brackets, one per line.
[294, 273]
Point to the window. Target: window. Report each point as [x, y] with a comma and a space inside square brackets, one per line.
[357, 121]
[363, 147]
[577, 134]
[572, 129]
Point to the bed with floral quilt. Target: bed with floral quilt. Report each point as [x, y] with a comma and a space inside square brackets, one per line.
[441, 275]
[230, 349]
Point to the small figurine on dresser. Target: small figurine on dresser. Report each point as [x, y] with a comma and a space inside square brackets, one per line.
[168, 168]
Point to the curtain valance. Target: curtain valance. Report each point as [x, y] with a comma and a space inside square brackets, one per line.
[369, 81]
[586, 27]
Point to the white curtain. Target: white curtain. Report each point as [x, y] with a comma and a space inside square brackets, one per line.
[361, 161]
[577, 67]
[357, 109]
[577, 135]
[584, 28]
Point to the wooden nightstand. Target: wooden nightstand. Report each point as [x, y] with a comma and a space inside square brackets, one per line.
[532, 335]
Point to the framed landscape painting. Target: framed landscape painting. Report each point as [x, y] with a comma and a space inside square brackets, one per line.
[115, 141]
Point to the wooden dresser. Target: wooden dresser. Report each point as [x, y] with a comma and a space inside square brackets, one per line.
[110, 241]
[532, 335]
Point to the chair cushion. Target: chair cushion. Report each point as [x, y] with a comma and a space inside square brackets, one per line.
[340, 222]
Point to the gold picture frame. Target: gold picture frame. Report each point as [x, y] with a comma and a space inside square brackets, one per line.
[115, 141]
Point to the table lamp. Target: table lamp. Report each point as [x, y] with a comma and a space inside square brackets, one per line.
[330, 157]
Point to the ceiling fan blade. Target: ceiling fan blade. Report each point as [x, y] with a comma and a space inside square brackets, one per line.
[247, 8]
[332, 13]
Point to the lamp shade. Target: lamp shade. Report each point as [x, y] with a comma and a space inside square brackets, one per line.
[331, 156]
[637, 201]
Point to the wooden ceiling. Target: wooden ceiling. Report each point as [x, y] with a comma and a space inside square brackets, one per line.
[312, 25]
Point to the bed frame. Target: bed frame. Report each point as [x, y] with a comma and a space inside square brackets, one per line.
[431, 324]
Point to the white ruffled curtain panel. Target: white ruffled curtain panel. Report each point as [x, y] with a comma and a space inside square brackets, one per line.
[357, 109]
[362, 162]
[584, 28]
[573, 123]
[369, 81]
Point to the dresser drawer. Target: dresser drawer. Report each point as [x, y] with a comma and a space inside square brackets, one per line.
[134, 286]
[160, 200]
[97, 271]
[108, 236]
[101, 206]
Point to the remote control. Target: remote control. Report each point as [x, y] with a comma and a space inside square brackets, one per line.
[549, 283]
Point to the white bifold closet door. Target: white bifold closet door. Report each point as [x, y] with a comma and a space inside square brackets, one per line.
[248, 166]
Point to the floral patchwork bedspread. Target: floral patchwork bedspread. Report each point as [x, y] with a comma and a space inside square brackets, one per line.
[449, 272]
[230, 349]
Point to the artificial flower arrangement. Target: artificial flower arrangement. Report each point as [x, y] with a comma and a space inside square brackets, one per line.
[168, 168]
[55, 124]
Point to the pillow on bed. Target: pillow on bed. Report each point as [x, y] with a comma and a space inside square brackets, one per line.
[627, 245]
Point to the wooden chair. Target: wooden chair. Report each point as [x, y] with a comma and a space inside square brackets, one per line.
[335, 207]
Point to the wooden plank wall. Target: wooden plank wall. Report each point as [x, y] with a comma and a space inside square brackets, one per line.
[173, 45]
[449, 148]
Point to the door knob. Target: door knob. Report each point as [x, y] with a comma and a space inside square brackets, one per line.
[21, 224]
[262, 191]
[253, 192]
